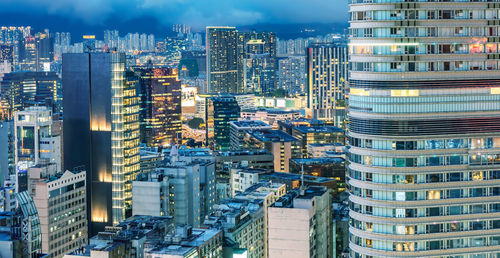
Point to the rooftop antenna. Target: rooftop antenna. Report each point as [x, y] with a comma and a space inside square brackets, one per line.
[302, 180]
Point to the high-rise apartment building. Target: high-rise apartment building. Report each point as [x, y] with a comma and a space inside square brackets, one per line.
[160, 106]
[223, 60]
[101, 132]
[327, 75]
[292, 74]
[424, 129]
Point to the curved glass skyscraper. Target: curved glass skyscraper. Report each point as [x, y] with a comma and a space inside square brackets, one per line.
[424, 120]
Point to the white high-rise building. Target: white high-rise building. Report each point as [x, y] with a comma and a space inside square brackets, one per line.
[34, 142]
[424, 128]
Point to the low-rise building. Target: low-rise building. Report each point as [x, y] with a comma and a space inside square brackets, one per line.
[282, 145]
[188, 242]
[243, 224]
[127, 239]
[270, 115]
[322, 167]
[243, 178]
[326, 150]
[239, 129]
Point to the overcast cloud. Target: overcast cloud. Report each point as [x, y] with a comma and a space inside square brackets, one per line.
[197, 13]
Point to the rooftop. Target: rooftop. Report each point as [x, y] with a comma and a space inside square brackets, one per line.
[249, 124]
[242, 153]
[335, 144]
[295, 177]
[286, 201]
[271, 111]
[319, 161]
[318, 129]
[266, 135]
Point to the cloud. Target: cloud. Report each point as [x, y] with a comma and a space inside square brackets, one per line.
[197, 13]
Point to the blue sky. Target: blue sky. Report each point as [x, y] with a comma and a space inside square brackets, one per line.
[197, 13]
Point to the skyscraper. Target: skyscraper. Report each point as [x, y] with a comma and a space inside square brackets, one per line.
[223, 56]
[24, 89]
[101, 132]
[219, 112]
[327, 74]
[160, 106]
[259, 61]
[424, 129]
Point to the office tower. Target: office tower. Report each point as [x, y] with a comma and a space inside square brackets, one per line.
[223, 60]
[45, 51]
[25, 89]
[60, 200]
[219, 112]
[34, 142]
[259, 61]
[423, 172]
[292, 75]
[282, 145]
[160, 106]
[327, 73]
[300, 224]
[28, 54]
[101, 132]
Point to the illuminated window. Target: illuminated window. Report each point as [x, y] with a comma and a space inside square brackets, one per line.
[362, 92]
[477, 175]
[369, 226]
[404, 93]
[476, 48]
[495, 90]
[434, 195]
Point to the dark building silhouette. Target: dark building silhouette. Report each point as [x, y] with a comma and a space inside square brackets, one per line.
[219, 112]
[101, 132]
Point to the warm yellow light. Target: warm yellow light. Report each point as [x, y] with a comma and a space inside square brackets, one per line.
[404, 93]
[359, 92]
[495, 90]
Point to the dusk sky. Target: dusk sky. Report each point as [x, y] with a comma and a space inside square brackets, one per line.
[160, 13]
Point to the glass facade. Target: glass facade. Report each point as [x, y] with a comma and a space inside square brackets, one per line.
[424, 128]
[101, 132]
